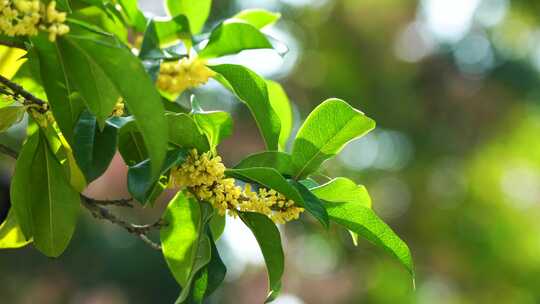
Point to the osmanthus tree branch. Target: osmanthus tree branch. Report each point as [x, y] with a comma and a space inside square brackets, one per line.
[8, 151]
[141, 231]
[123, 202]
[13, 44]
[20, 91]
[95, 206]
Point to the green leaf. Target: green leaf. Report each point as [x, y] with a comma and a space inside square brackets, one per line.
[259, 18]
[252, 90]
[269, 178]
[133, 14]
[88, 78]
[311, 203]
[46, 205]
[99, 18]
[28, 76]
[63, 5]
[10, 116]
[64, 154]
[93, 149]
[231, 37]
[202, 257]
[356, 216]
[11, 235]
[184, 132]
[269, 239]
[280, 161]
[309, 183]
[140, 182]
[162, 32]
[208, 279]
[324, 133]
[185, 243]
[282, 106]
[196, 11]
[125, 73]
[215, 270]
[217, 225]
[74, 174]
[342, 189]
[19, 185]
[175, 107]
[131, 144]
[189, 248]
[91, 14]
[66, 105]
[216, 125]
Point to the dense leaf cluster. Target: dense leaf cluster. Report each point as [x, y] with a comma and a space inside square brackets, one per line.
[100, 89]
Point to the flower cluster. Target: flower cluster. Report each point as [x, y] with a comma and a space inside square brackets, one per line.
[27, 17]
[204, 176]
[175, 77]
[119, 108]
[43, 119]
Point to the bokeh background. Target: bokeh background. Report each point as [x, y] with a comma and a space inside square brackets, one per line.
[453, 166]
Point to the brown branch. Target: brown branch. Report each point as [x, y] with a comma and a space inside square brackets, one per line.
[13, 44]
[99, 212]
[8, 151]
[28, 97]
[122, 202]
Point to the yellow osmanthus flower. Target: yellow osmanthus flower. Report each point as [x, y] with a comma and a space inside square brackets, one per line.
[175, 77]
[204, 176]
[27, 17]
[43, 119]
[119, 108]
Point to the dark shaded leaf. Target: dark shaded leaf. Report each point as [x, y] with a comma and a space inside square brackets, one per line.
[93, 149]
[140, 183]
[312, 203]
[131, 143]
[269, 178]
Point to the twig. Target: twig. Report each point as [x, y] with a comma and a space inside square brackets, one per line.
[8, 151]
[98, 211]
[13, 44]
[20, 91]
[122, 202]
